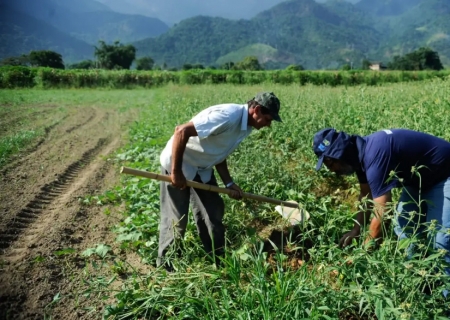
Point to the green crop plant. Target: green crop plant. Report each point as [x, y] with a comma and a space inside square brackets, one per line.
[24, 77]
[313, 279]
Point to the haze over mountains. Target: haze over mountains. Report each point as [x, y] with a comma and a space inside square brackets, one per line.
[316, 35]
[173, 11]
[68, 27]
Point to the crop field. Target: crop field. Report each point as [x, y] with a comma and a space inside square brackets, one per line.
[79, 240]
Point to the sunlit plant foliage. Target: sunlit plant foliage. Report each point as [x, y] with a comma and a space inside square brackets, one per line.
[312, 278]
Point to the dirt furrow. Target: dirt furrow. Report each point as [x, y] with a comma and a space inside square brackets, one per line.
[8, 124]
[81, 124]
[47, 160]
[17, 160]
[41, 211]
[14, 228]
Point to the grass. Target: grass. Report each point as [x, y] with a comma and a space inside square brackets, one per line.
[11, 145]
[23, 122]
[312, 278]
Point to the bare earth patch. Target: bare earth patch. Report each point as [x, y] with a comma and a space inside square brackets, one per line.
[41, 212]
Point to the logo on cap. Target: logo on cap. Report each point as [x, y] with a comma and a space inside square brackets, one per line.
[323, 145]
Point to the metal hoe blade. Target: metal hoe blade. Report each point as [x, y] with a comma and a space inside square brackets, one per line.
[293, 215]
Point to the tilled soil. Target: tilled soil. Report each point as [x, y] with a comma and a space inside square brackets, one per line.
[41, 211]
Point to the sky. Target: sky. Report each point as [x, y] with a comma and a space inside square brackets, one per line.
[173, 11]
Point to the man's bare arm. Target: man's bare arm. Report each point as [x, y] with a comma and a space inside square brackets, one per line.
[224, 173]
[376, 225]
[362, 217]
[180, 139]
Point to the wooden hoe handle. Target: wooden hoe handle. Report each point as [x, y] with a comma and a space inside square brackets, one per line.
[203, 186]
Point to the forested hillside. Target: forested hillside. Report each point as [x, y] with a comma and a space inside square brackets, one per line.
[21, 33]
[318, 36]
[198, 40]
[110, 26]
[309, 32]
[387, 7]
[315, 35]
[88, 20]
[425, 24]
[325, 35]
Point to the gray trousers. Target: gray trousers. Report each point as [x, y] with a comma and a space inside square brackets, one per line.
[208, 209]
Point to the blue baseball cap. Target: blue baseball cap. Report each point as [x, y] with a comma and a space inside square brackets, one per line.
[330, 143]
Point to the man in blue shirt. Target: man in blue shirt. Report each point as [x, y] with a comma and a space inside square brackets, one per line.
[416, 161]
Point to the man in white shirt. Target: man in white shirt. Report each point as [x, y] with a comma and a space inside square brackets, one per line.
[195, 148]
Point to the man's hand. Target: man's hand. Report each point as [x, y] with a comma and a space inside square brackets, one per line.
[362, 218]
[236, 192]
[178, 180]
[372, 244]
[348, 237]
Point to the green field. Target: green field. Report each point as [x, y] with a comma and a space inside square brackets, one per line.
[312, 278]
[48, 78]
[278, 162]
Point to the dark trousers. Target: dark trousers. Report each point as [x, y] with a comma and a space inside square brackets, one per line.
[208, 209]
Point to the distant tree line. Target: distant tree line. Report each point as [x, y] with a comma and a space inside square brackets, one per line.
[43, 58]
[421, 59]
[118, 56]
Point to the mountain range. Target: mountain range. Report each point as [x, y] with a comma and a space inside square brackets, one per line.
[173, 11]
[316, 35]
[71, 28]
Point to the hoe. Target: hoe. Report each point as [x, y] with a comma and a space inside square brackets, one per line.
[290, 210]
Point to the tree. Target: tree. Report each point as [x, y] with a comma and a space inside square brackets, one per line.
[85, 64]
[421, 59]
[46, 58]
[250, 63]
[186, 66]
[295, 67]
[22, 60]
[227, 65]
[428, 58]
[400, 63]
[365, 65]
[115, 56]
[346, 67]
[145, 63]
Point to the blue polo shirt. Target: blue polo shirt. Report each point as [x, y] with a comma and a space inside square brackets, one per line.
[399, 150]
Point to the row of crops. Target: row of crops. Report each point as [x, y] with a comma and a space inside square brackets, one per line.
[313, 278]
[24, 77]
